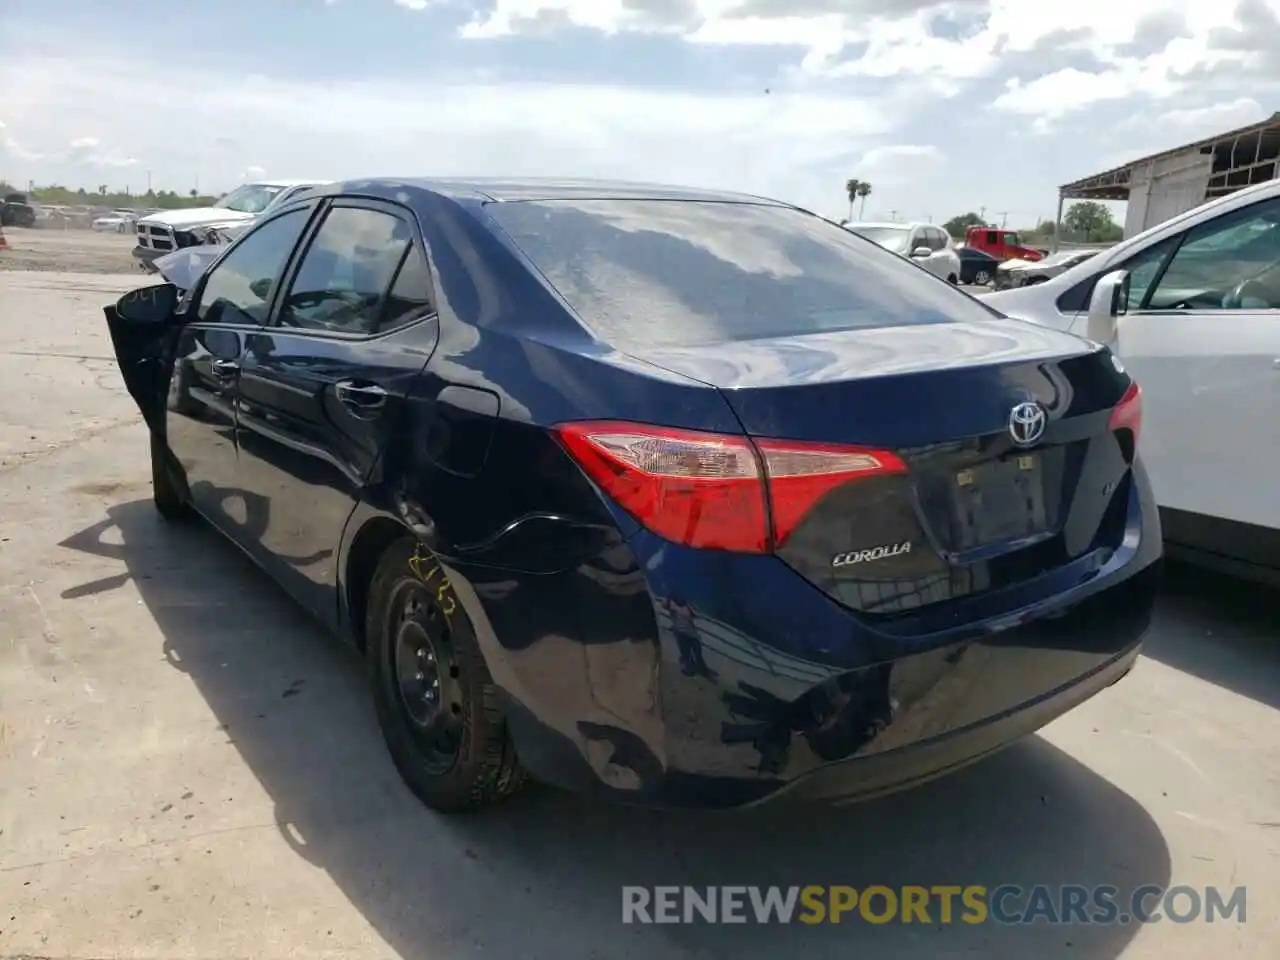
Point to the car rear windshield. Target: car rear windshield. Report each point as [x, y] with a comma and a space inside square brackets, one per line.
[682, 273]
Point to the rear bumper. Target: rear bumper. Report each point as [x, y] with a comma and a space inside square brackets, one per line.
[774, 691]
[864, 779]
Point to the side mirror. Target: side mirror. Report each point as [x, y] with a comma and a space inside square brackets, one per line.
[148, 305]
[1109, 302]
[919, 253]
[261, 288]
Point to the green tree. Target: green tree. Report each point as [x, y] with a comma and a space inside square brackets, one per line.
[1089, 221]
[864, 191]
[851, 187]
[956, 226]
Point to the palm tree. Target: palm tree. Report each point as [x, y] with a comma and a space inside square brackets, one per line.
[864, 191]
[852, 187]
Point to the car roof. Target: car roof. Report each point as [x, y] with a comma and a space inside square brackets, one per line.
[878, 224]
[499, 189]
[284, 183]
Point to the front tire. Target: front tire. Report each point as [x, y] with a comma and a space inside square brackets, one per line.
[435, 700]
[953, 280]
[168, 494]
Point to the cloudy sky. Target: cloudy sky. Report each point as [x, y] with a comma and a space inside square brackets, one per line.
[943, 105]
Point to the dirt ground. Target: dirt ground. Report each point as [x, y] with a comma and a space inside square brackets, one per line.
[69, 251]
[190, 769]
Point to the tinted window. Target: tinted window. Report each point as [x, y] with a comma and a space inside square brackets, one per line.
[345, 273]
[238, 288]
[681, 272]
[937, 239]
[1231, 262]
[410, 297]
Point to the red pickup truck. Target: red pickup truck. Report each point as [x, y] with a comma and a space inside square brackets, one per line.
[1001, 244]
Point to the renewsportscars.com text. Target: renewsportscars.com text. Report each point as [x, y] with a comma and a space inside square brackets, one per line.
[972, 904]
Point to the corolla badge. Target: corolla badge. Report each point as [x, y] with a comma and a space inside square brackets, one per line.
[1027, 423]
[882, 552]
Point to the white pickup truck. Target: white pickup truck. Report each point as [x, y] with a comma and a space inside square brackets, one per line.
[169, 230]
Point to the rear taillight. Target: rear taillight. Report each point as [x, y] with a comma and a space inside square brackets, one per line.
[714, 491]
[1127, 414]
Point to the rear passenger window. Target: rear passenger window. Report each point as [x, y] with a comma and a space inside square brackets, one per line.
[410, 298]
[345, 275]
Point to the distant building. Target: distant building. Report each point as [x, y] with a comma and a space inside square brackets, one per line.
[1166, 184]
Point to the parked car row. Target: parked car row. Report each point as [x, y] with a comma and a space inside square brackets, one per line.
[557, 456]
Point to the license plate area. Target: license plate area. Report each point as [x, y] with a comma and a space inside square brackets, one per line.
[999, 500]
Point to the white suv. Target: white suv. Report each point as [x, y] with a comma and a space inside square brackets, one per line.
[923, 243]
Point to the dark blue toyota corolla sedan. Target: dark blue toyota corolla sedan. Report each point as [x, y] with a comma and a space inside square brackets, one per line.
[671, 496]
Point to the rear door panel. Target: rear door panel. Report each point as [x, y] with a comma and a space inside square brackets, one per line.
[317, 405]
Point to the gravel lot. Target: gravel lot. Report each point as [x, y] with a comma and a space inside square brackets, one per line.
[189, 769]
[68, 251]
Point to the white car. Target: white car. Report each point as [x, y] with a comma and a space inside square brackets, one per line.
[169, 230]
[928, 246]
[1192, 309]
[1026, 273]
[117, 221]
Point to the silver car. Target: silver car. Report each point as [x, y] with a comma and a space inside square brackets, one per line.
[927, 245]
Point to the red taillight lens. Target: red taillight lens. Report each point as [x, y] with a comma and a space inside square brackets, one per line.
[708, 490]
[801, 474]
[1127, 414]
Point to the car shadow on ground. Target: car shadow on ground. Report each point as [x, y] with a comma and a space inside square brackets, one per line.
[541, 876]
[1221, 629]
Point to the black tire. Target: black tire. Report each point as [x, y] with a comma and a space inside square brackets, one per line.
[452, 750]
[167, 490]
[953, 280]
[982, 278]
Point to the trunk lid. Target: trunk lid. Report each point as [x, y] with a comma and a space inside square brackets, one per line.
[977, 508]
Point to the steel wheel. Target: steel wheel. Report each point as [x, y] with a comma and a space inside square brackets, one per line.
[426, 673]
[436, 702]
[982, 278]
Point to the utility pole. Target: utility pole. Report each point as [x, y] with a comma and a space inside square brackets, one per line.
[148, 181]
[1004, 218]
[893, 216]
[982, 215]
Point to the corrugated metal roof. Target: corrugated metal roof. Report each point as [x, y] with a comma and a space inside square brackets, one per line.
[1116, 180]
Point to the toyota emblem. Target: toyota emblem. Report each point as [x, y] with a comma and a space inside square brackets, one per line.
[1027, 423]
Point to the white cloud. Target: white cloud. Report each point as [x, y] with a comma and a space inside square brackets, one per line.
[898, 163]
[895, 38]
[1196, 122]
[207, 122]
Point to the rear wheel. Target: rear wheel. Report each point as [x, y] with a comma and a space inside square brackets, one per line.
[167, 490]
[982, 278]
[435, 700]
[953, 279]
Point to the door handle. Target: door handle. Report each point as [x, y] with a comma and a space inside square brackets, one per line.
[362, 399]
[225, 369]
